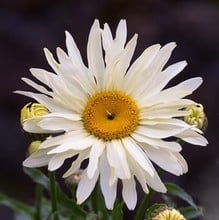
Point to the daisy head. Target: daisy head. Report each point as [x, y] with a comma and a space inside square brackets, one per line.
[115, 114]
[166, 213]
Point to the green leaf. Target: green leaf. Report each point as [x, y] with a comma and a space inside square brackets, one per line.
[118, 211]
[16, 205]
[92, 216]
[152, 209]
[65, 204]
[69, 205]
[38, 177]
[177, 191]
[20, 216]
[191, 212]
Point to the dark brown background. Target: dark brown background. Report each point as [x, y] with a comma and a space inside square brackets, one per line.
[27, 26]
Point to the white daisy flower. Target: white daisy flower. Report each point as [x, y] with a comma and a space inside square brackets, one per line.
[116, 115]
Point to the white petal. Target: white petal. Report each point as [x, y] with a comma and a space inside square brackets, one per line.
[134, 74]
[155, 182]
[48, 102]
[71, 136]
[159, 131]
[109, 191]
[107, 41]
[66, 115]
[165, 159]
[151, 72]
[144, 178]
[77, 145]
[114, 47]
[36, 86]
[57, 160]
[31, 125]
[42, 75]
[157, 143]
[59, 124]
[162, 113]
[95, 152]
[165, 76]
[86, 186]
[174, 104]
[190, 84]
[129, 193]
[137, 154]
[162, 57]
[121, 33]
[116, 157]
[37, 159]
[73, 52]
[117, 69]
[52, 62]
[192, 137]
[77, 163]
[94, 53]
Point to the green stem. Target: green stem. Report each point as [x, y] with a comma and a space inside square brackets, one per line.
[39, 194]
[117, 213]
[142, 208]
[53, 195]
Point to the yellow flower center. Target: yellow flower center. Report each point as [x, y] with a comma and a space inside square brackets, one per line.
[110, 115]
[169, 214]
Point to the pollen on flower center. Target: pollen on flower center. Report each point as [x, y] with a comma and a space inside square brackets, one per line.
[110, 115]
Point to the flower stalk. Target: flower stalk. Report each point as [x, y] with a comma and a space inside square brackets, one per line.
[143, 206]
[39, 196]
[53, 195]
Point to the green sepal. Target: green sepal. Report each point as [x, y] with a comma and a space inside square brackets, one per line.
[151, 210]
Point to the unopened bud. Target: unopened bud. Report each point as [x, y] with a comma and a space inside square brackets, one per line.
[167, 213]
[34, 145]
[196, 117]
[33, 110]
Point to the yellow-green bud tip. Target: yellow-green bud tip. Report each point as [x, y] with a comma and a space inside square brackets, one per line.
[32, 110]
[196, 116]
[168, 214]
[34, 146]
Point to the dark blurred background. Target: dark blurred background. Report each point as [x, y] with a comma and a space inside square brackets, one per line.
[27, 26]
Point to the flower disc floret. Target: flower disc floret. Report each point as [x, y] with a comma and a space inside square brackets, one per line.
[110, 115]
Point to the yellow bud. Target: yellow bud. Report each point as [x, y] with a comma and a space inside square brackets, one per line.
[34, 146]
[196, 117]
[168, 214]
[31, 110]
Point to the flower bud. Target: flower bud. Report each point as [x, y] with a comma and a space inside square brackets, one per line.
[196, 117]
[33, 110]
[167, 213]
[34, 145]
